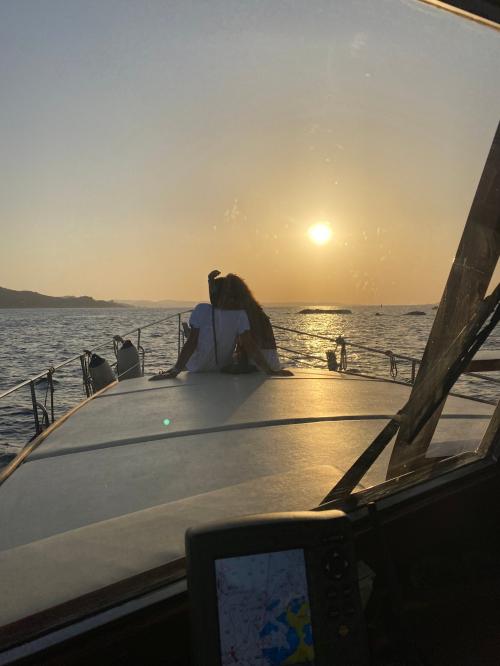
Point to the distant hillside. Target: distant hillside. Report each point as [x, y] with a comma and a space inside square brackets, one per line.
[9, 298]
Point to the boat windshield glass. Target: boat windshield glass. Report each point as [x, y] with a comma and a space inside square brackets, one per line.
[329, 153]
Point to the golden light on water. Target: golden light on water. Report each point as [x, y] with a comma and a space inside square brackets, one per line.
[320, 233]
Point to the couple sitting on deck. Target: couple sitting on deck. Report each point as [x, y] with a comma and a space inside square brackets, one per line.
[234, 322]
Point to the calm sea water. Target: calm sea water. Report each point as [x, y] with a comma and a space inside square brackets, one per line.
[34, 339]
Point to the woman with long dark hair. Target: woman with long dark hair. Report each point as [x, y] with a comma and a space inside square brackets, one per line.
[260, 325]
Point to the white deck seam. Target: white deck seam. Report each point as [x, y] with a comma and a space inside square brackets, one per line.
[155, 387]
[231, 427]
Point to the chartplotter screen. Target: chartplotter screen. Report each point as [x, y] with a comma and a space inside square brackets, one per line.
[263, 609]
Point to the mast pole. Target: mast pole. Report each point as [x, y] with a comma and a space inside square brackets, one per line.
[469, 278]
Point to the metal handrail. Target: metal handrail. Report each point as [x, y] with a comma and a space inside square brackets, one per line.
[77, 356]
[373, 350]
[485, 378]
[351, 344]
[158, 321]
[47, 374]
[299, 355]
[355, 345]
[27, 382]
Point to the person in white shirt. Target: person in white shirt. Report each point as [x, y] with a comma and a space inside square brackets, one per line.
[229, 324]
[215, 329]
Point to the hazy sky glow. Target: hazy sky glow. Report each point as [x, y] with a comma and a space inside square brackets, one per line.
[145, 143]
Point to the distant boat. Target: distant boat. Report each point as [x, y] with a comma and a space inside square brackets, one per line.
[415, 313]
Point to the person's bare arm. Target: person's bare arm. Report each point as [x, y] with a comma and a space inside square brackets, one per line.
[184, 356]
[187, 350]
[249, 345]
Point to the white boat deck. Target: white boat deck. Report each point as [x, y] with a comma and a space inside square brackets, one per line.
[116, 455]
[111, 491]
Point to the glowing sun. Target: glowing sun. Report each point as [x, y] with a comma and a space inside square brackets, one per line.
[320, 233]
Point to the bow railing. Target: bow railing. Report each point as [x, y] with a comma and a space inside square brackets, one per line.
[34, 399]
[344, 356]
[38, 404]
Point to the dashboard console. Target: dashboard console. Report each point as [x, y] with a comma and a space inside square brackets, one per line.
[276, 589]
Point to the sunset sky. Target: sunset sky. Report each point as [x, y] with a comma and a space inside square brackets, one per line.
[145, 143]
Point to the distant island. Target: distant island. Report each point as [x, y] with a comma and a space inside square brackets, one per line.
[9, 298]
[415, 313]
[321, 311]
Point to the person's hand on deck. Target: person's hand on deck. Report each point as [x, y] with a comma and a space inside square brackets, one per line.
[186, 353]
[165, 374]
[280, 373]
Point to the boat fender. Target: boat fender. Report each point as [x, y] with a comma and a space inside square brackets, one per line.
[100, 372]
[128, 363]
[331, 359]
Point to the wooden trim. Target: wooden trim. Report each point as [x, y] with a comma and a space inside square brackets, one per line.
[454, 7]
[484, 365]
[414, 487]
[29, 448]
[33, 626]
[467, 284]
[490, 444]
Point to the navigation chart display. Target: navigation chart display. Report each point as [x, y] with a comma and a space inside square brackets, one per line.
[264, 612]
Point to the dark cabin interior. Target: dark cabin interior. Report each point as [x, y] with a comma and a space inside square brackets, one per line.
[435, 599]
